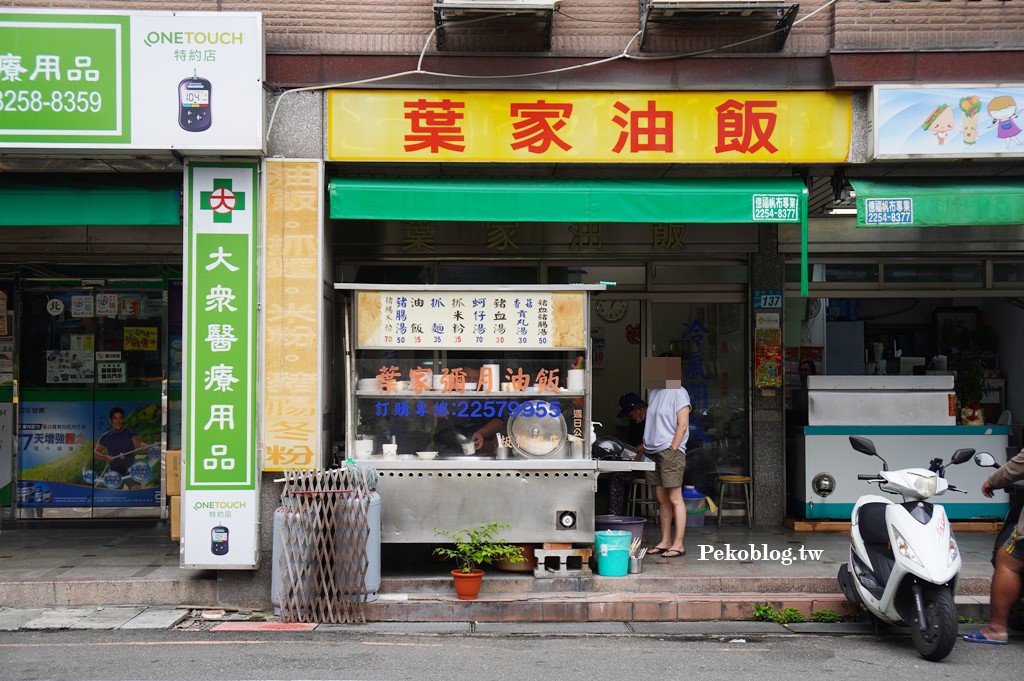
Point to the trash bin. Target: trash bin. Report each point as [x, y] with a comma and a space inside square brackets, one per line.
[612, 547]
[696, 506]
[633, 524]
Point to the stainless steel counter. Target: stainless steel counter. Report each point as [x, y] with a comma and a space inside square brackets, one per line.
[534, 496]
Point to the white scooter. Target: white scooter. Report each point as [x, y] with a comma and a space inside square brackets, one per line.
[904, 561]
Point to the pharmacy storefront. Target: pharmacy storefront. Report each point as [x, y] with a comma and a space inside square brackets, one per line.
[101, 113]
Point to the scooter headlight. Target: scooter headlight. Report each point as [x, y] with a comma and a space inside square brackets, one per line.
[927, 486]
[903, 546]
[954, 550]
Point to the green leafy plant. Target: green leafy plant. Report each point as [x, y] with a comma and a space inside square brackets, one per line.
[480, 545]
[789, 616]
[766, 613]
[828, 616]
[970, 383]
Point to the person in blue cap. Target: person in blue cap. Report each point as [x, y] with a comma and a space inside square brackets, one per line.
[632, 406]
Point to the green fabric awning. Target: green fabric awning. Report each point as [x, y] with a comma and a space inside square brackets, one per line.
[41, 205]
[940, 202]
[488, 200]
[731, 200]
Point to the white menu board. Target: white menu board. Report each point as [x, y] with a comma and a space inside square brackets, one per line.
[454, 319]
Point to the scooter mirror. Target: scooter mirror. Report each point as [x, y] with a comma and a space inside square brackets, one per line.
[863, 445]
[961, 455]
[985, 460]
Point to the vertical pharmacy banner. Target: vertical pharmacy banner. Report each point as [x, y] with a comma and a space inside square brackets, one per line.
[219, 506]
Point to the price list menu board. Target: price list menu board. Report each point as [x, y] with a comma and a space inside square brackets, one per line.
[455, 319]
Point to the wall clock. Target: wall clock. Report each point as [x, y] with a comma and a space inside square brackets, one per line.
[612, 310]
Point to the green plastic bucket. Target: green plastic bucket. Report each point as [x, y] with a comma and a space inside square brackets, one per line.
[612, 548]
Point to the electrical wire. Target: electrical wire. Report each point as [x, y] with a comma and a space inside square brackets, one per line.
[419, 71]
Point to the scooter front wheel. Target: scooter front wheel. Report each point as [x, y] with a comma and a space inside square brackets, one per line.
[938, 637]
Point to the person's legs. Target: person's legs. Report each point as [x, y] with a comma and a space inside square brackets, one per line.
[665, 515]
[1005, 590]
[671, 465]
[678, 506]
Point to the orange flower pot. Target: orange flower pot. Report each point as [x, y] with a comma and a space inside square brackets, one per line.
[467, 584]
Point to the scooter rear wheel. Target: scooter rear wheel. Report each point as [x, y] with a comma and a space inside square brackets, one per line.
[936, 641]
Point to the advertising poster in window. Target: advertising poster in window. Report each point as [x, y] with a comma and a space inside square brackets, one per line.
[73, 454]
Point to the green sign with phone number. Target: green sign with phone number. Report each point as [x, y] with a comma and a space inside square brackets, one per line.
[64, 78]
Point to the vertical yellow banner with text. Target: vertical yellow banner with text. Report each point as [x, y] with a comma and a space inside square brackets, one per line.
[292, 257]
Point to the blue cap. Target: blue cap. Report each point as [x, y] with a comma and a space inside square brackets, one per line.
[628, 403]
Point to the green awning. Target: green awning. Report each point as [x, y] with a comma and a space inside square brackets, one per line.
[41, 205]
[732, 200]
[939, 203]
[488, 200]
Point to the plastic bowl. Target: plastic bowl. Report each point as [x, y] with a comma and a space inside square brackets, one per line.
[426, 456]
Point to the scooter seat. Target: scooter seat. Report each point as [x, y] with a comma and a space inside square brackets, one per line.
[871, 523]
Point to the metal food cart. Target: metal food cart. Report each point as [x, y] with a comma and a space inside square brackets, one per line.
[410, 352]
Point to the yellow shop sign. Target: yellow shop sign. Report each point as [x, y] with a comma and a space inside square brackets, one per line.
[589, 127]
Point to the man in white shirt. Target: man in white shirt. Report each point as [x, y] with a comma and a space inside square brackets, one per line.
[665, 435]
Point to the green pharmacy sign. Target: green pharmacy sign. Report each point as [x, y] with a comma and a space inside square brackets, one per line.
[220, 411]
[64, 78]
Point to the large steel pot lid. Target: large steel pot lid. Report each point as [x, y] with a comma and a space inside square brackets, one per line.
[536, 436]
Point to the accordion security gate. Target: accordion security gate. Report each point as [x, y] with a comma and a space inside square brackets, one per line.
[330, 545]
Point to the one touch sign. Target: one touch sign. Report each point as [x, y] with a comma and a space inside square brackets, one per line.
[189, 81]
[219, 506]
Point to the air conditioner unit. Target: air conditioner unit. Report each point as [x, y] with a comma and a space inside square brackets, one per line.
[499, 4]
[667, 4]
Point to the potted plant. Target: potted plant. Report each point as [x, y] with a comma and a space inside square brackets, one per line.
[474, 547]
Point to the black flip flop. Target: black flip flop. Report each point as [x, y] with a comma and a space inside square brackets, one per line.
[656, 551]
[672, 553]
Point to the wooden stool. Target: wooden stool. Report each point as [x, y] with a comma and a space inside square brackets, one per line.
[641, 498]
[743, 480]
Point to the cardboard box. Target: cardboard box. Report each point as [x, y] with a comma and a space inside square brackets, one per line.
[173, 462]
[175, 502]
[661, 372]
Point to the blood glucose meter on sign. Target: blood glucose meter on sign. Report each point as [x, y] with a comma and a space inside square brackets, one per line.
[194, 95]
[219, 540]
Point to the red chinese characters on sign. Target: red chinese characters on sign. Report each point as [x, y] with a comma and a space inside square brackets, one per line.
[746, 127]
[538, 125]
[645, 130]
[434, 125]
[742, 126]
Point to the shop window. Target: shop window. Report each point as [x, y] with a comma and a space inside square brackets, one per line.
[836, 273]
[697, 274]
[485, 273]
[385, 274]
[588, 274]
[938, 273]
[1008, 272]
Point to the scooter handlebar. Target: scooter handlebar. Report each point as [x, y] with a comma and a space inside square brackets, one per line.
[868, 476]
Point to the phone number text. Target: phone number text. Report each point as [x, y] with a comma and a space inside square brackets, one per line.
[471, 408]
[61, 101]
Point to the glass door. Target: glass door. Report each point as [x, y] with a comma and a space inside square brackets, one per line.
[710, 340]
[91, 366]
